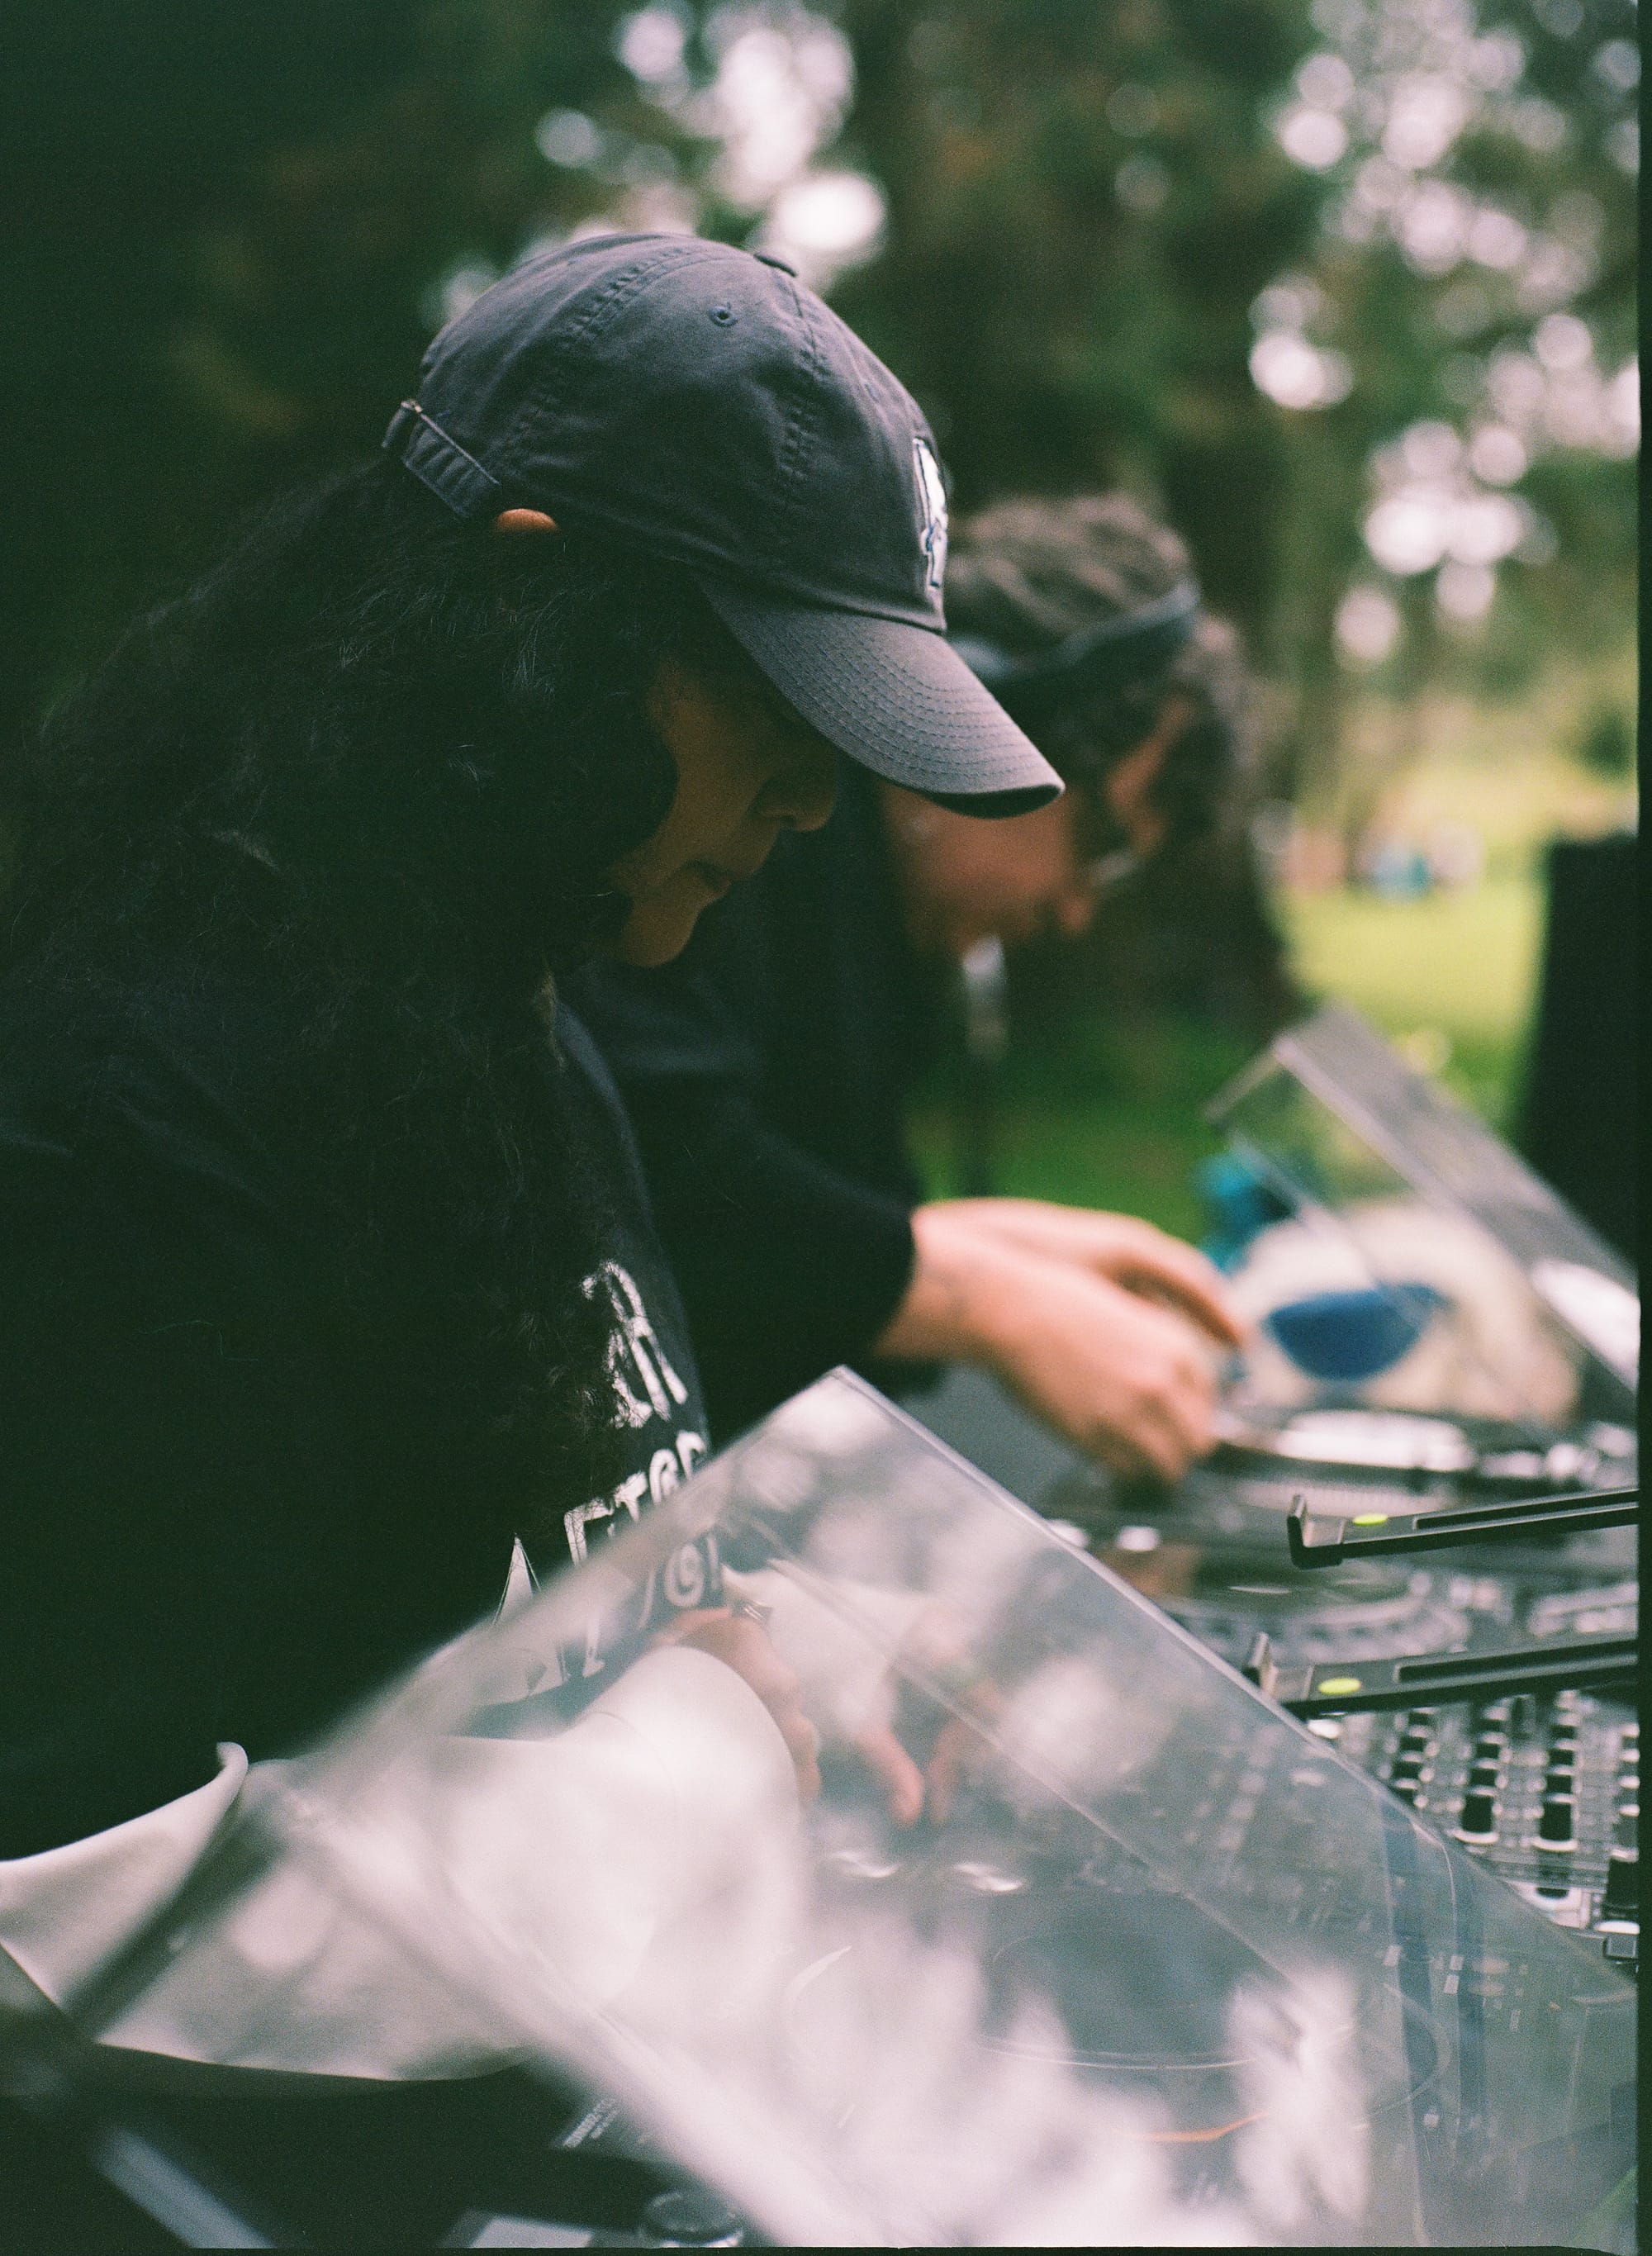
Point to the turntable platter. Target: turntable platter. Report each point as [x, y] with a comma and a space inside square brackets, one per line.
[1386, 1440]
[1139, 1989]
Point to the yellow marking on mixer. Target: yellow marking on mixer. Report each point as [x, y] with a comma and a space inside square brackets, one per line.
[1338, 1684]
[1369, 1520]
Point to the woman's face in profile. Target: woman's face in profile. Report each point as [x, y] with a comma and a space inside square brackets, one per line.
[747, 768]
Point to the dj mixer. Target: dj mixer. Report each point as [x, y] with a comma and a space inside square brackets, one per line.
[1417, 1530]
[1541, 1785]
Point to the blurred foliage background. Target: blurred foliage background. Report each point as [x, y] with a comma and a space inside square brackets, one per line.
[1346, 287]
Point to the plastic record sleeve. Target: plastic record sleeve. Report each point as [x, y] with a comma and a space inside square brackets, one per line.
[1157, 1968]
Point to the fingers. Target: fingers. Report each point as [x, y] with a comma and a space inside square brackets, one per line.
[802, 1744]
[747, 1649]
[953, 1748]
[1124, 1249]
[684, 1628]
[1155, 1403]
[743, 1645]
[1147, 1441]
[1158, 1451]
[1179, 1424]
[900, 1777]
[1159, 1262]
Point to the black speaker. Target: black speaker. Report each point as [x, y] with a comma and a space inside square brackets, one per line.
[1577, 1119]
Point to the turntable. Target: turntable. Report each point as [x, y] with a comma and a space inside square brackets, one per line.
[1395, 1257]
[1400, 1264]
[1358, 1440]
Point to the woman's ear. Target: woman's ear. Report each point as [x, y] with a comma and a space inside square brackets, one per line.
[524, 520]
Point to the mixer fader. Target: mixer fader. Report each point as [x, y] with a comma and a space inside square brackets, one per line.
[1547, 1794]
[1541, 1785]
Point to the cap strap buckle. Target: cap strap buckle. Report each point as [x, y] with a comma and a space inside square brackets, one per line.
[442, 463]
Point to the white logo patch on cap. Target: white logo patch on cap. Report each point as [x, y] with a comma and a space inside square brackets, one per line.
[932, 507]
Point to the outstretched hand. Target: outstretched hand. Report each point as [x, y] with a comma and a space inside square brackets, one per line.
[1124, 1370]
[1125, 1381]
[1119, 1247]
[832, 1643]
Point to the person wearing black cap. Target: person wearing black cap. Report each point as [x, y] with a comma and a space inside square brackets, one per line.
[331, 1287]
[767, 1074]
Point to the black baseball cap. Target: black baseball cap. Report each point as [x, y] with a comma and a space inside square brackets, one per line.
[702, 403]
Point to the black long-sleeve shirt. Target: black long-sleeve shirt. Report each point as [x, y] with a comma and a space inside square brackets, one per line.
[231, 1510]
[766, 1074]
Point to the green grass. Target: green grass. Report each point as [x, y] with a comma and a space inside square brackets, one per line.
[1449, 978]
[1112, 1116]
[1452, 978]
[1109, 1116]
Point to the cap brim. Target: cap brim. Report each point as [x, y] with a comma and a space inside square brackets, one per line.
[894, 696]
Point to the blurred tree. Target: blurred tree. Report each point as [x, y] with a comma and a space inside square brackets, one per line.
[1475, 277]
[1606, 744]
[1346, 286]
[1083, 204]
[227, 227]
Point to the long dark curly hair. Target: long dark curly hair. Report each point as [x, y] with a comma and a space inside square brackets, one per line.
[384, 759]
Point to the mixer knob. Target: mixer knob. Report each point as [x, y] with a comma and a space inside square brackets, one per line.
[1623, 1885]
[1557, 1821]
[1483, 1776]
[1479, 1820]
[1561, 1778]
[1630, 1786]
[1491, 1746]
[1409, 1765]
[1563, 1746]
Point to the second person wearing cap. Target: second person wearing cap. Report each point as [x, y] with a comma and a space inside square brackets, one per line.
[768, 1071]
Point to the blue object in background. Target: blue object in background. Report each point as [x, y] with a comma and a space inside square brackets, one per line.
[1352, 1335]
[1399, 872]
[1240, 1202]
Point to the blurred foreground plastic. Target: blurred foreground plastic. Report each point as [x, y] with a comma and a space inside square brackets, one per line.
[1167, 1972]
